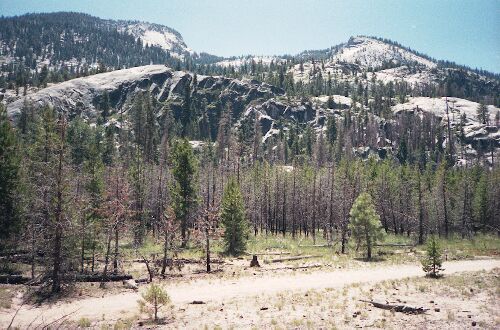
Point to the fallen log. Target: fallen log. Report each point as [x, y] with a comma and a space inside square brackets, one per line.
[99, 277]
[142, 280]
[316, 245]
[395, 245]
[204, 271]
[19, 279]
[293, 268]
[14, 279]
[398, 308]
[174, 262]
[302, 267]
[24, 258]
[294, 258]
[268, 254]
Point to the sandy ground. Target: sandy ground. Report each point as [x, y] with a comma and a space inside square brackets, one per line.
[217, 293]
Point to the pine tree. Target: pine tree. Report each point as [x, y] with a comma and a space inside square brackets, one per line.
[184, 170]
[365, 223]
[79, 135]
[155, 297]
[433, 261]
[9, 179]
[331, 130]
[402, 154]
[109, 151]
[233, 219]
[480, 202]
[105, 106]
[94, 168]
[483, 114]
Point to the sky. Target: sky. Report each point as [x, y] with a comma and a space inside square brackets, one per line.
[463, 31]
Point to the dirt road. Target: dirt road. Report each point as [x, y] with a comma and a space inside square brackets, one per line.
[220, 290]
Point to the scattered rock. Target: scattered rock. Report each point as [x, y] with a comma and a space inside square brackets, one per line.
[437, 309]
[198, 302]
[474, 323]
[264, 308]
[130, 284]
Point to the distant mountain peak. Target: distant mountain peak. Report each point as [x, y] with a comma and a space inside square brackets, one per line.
[157, 35]
[371, 52]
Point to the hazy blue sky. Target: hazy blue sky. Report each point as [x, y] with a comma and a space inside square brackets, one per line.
[467, 32]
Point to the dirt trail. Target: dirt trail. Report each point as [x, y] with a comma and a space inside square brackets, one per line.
[120, 305]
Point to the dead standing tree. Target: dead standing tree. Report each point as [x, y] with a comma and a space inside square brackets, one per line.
[116, 210]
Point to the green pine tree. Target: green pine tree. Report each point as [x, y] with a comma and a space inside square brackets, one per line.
[365, 223]
[480, 202]
[233, 219]
[109, 152]
[331, 130]
[184, 170]
[9, 179]
[483, 114]
[433, 261]
[154, 298]
[79, 135]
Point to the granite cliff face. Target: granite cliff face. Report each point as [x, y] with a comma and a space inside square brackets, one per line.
[83, 96]
[246, 98]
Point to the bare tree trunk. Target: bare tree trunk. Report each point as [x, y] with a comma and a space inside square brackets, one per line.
[115, 258]
[109, 238]
[207, 223]
[420, 212]
[283, 214]
[82, 253]
[313, 205]
[330, 216]
[293, 200]
[165, 251]
[56, 271]
[33, 252]
[445, 207]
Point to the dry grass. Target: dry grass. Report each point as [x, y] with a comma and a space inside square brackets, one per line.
[6, 295]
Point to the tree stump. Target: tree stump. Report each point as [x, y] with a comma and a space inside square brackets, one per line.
[254, 262]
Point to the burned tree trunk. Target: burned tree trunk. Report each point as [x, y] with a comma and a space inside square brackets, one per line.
[56, 270]
[254, 262]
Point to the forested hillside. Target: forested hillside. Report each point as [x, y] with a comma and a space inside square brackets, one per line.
[36, 49]
[77, 187]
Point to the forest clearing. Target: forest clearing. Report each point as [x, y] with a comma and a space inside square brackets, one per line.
[324, 289]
